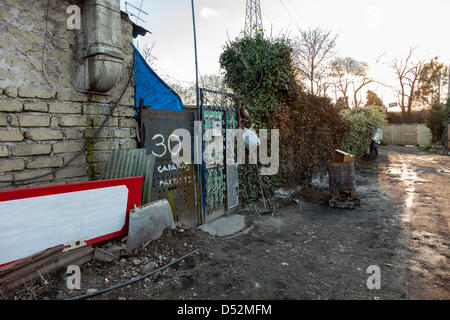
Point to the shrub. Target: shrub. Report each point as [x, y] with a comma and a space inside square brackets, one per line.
[445, 136]
[435, 121]
[260, 72]
[363, 123]
[446, 122]
[314, 130]
[414, 117]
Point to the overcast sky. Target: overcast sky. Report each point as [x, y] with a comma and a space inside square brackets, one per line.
[367, 29]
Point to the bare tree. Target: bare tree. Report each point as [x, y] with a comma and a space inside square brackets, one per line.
[312, 49]
[341, 68]
[407, 72]
[186, 91]
[364, 81]
[213, 82]
[148, 56]
[349, 73]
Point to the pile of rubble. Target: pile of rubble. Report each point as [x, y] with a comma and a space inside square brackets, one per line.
[103, 266]
[146, 224]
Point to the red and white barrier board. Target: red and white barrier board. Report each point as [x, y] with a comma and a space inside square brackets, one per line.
[78, 214]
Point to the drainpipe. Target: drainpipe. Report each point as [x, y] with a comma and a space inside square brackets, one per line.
[102, 55]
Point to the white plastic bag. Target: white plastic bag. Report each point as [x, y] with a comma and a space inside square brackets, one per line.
[251, 138]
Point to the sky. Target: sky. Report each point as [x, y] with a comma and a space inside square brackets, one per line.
[374, 31]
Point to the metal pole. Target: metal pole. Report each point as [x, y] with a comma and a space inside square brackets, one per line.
[139, 12]
[196, 61]
[448, 93]
[198, 141]
[439, 88]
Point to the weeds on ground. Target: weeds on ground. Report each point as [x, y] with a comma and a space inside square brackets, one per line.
[425, 148]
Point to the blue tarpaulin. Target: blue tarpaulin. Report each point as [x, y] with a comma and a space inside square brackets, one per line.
[150, 87]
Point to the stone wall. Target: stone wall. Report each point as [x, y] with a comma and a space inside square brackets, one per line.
[44, 121]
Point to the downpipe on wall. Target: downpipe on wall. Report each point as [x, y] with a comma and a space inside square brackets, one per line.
[100, 44]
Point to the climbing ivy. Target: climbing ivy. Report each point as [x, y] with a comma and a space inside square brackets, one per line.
[260, 72]
[262, 75]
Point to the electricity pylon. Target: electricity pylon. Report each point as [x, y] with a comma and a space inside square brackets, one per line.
[253, 19]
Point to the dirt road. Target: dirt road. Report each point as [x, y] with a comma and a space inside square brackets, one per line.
[421, 185]
[308, 251]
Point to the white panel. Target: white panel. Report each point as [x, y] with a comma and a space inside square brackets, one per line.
[28, 226]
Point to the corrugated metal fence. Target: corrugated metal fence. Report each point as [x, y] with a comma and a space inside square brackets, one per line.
[132, 163]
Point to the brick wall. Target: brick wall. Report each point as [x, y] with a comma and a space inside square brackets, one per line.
[44, 121]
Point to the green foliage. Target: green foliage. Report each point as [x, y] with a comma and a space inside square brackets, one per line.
[316, 129]
[363, 122]
[258, 70]
[416, 116]
[435, 121]
[373, 99]
[341, 103]
[261, 73]
[445, 136]
[428, 82]
[425, 148]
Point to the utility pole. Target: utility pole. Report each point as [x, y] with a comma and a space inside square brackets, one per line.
[439, 88]
[253, 18]
[448, 92]
[448, 115]
[198, 140]
[197, 90]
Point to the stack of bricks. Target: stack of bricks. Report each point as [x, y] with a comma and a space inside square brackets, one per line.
[44, 123]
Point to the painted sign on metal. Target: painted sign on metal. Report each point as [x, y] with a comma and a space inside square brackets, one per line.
[174, 182]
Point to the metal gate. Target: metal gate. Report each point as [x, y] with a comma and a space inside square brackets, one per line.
[220, 181]
[173, 182]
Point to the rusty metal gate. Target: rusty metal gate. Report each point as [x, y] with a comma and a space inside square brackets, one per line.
[220, 181]
[173, 182]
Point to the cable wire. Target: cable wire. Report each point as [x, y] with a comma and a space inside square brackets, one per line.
[296, 11]
[124, 284]
[289, 12]
[44, 47]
